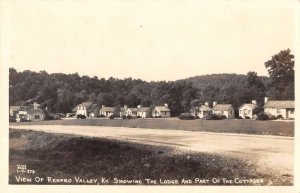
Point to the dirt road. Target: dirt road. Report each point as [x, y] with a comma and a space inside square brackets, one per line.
[270, 154]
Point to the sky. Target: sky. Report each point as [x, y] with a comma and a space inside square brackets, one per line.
[147, 39]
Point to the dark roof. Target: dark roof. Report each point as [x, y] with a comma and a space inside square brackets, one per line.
[280, 104]
[32, 110]
[85, 104]
[107, 109]
[222, 107]
[251, 105]
[162, 108]
[143, 109]
[15, 108]
[93, 107]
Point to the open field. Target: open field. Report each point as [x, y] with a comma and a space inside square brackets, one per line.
[63, 156]
[279, 128]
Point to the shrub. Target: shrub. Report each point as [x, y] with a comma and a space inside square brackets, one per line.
[129, 117]
[279, 117]
[218, 117]
[138, 117]
[123, 116]
[101, 116]
[81, 117]
[111, 116]
[186, 116]
[239, 117]
[222, 117]
[262, 116]
[247, 117]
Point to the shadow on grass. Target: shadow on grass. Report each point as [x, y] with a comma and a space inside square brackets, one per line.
[66, 156]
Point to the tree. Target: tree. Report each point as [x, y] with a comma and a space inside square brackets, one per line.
[282, 74]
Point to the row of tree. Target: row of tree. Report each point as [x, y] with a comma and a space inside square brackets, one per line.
[61, 92]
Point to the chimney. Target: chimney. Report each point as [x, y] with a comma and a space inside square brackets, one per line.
[102, 106]
[254, 102]
[139, 106]
[35, 105]
[215, 103]
[266, 99]
[206, 104]
[166, 104]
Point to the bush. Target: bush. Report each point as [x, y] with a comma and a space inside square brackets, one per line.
[138, 117]
[222, 117]
[123, 116]
[111, 116]
[218, 117]
[247, 117]
[186, 116]
[101, 116]
[279, 117]
[81, 117]
[262, 116]
[239, 117]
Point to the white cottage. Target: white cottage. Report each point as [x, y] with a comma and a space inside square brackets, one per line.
[87, 109]
[223, 109]
[161, 111]
[143, 112]
[246, 110]
[107, 111]
[202, 111]
[284, 108]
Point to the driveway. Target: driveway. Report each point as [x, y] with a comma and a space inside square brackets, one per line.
[271, 154]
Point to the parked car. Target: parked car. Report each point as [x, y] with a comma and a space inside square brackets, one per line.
[186, 116]
[81, 117]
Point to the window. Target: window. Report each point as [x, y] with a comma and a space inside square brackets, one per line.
[249, 112]
[278, 111]
[245, 111]
[36, 116]
[292, 111]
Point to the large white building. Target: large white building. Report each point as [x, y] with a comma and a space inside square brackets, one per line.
[284, 108]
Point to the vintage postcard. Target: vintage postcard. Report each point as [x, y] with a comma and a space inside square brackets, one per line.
[181, 96]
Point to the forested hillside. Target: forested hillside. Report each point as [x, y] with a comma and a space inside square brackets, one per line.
[62, 92]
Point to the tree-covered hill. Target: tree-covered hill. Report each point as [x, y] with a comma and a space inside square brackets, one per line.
[61, 92]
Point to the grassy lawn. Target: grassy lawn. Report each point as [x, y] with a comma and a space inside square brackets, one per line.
[61, 156]
[221, 126]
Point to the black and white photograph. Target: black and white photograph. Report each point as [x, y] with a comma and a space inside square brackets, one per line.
[149, 94]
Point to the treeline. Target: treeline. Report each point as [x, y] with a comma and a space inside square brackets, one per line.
[62, 92]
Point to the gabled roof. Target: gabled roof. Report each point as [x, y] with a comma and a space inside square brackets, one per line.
[222, 107]
[251, 105]
[32, 110]
[205, 108]
[133, 109]
[280, 104]
[84, 104]
[143, 109]
[107, 109]
[162, 108]
[15, 108]
[93, 107]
